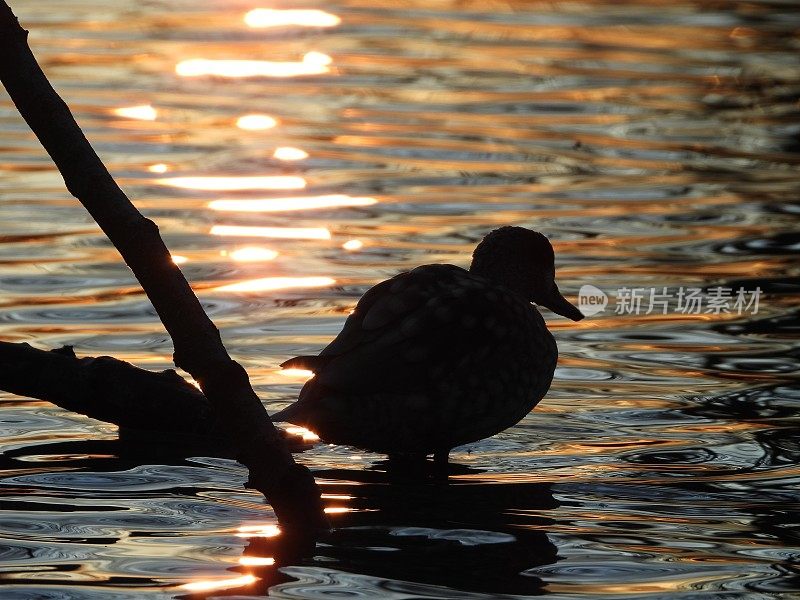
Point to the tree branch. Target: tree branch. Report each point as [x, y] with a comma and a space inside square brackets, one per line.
[198, 347]
[159, 409]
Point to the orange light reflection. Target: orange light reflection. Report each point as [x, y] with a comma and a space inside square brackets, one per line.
[142, 112]
[268, 284]
[353, 245]
[252, 254]
[258, 531]
[221, 184]
[289, 204]
[218, 584]
[158, 168]
[302, 233]
[256, 561]
[256, 122]
[302, 373]
[269, 17]
[287, 153]
[308, 435]
[313, 63]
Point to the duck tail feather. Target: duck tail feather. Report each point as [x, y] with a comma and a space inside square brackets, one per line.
[309, 363]
[283, 416]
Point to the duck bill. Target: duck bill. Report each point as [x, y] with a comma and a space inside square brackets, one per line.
[561, 306]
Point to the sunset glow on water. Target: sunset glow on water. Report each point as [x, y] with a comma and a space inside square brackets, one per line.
[256, 122]
[302, 233]
[252, 254]
[353, 245]
[158, 168]
[313, 63]
[256, 561]
[289, 204]
[269, 530]
[227, 184]
[143, 112]
[268, 17]
[287, 153]
[268, 284]
[219, 584]
[307, 435]
[293, 155]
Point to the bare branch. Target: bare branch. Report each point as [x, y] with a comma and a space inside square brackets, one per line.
[198, 347]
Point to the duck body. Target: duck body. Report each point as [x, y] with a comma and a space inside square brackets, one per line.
[428, 360]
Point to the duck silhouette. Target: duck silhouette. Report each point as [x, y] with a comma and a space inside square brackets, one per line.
[439, 356]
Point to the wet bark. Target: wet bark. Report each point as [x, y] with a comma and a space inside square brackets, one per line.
[198, 347]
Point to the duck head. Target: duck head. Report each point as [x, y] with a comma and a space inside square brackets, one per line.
[523, 261]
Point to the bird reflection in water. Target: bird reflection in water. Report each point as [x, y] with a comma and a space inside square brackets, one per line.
[472, 534]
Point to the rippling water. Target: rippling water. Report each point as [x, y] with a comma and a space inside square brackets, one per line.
[655, 142]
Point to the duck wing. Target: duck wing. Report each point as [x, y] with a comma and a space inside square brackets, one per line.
[408, 331]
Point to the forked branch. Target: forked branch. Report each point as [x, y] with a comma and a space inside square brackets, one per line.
[199, 350]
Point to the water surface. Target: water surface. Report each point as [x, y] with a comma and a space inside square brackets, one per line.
[655, 142]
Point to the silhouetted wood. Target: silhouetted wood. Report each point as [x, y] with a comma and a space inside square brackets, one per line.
[106, 389]
[199, 350]
[159, 412]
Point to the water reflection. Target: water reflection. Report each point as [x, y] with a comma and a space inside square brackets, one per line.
[473, 534]
[266, 284]
[289, 153]
[289, 204]
[256, 561]
[470, 536]
[222, 184]
[353, 245]
[299, 233]
[256, 122]
[219, 584]
[143, 112]
[270, 17]
[251, 254]
[655, 144]
[313, 63]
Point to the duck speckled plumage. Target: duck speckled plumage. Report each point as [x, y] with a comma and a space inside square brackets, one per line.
[439, 356]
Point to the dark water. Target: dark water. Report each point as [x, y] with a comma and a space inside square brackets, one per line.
[655, 142]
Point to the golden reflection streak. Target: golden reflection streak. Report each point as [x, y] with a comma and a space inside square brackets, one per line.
[256, 122]
[300, 373]
[335, 510]
[256, 561]
[288, 153]
[179, 260]
[142, 112]
[313, 63]
[222, 184]
[301, 233]
[268, 284]
[258, 531]
[251, 254]
[308, 435]
[353, 245]
[158, 168]
[270, 17]
[218, 584]
[290, 204]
